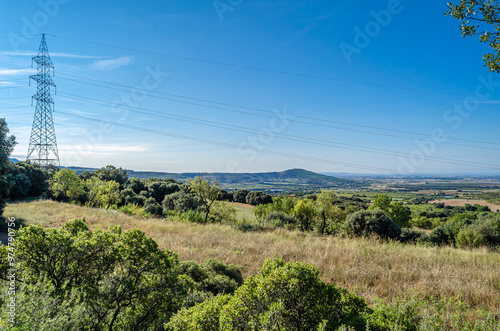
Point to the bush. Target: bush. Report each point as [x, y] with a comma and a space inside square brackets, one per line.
[213, 276]
[402, 315]
[485, 231]
[203, 317]
[469, 237]
[134, 210]
[366, 222]
[422, 222]
[113, 278]
[257, 198]
[438, 236]
[240, 196]
[279, 219]
[193, 216]
[283, 296]
[222, 212]
[180, 201]
[410, 235]
[153, 208]
[290, 296]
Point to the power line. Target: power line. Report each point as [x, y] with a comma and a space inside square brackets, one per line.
[223, 144]
[281, 135]
[301, 122]
[261, 110]
[232, 65]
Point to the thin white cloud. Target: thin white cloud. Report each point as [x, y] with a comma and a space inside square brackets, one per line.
[16, 72]
[101, 150]
[52, 54]
[490, 102]
[106, 65]
[6, 83]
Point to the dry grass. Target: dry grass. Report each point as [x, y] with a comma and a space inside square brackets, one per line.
[243, 211]
[371, 268]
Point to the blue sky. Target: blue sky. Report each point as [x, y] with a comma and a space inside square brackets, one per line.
[250, 86]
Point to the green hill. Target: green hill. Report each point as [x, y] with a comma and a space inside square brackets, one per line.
[288, 180]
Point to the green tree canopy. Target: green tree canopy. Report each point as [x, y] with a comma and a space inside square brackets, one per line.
[66, 185]
[283, 296]
[482, 18]
[7, 144]
[206, 192]
[93, 280]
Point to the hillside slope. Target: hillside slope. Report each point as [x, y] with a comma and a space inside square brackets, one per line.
[293, 179]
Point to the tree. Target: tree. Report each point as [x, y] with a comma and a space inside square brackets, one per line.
[102, 193]
[222, 212]
[381, 201]
[240, 196]
[206, 192]
[400, 214]
[181, 201]
[20, 184]
[305, 212]
[7, 144]
[482, 18]
[37, 175]
[329, 216]
[116, 280]
[283, 296]
[255, 198]
[66, 185]
[366, 222]
[110, 172]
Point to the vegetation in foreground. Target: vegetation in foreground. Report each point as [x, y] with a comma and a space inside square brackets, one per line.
[466, 280]
[75, 279]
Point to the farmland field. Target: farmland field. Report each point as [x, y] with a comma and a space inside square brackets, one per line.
[463, 202]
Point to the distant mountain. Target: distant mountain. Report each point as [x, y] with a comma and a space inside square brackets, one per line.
[288, 180]
[14, 160]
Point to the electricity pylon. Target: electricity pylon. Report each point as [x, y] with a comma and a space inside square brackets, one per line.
[43, 136]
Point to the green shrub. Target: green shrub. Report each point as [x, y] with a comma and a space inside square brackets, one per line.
[180, 201]
[410, 235]
[204, 316]
[469, 237]
[255, 198]
[484, 231]
[222, 212]
[279, 219]
[367, 222]
[213, 276]
[290, 296]
[134, 210]
[403, 315]
[111, 278]
[438, 236]
[193, 216]
[424, 222]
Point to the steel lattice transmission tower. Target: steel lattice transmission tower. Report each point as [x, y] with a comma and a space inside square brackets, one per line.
[43, 144]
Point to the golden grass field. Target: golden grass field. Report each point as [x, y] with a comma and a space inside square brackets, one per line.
[371, 268]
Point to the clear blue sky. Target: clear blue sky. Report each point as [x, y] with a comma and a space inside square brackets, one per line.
[296, 81]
